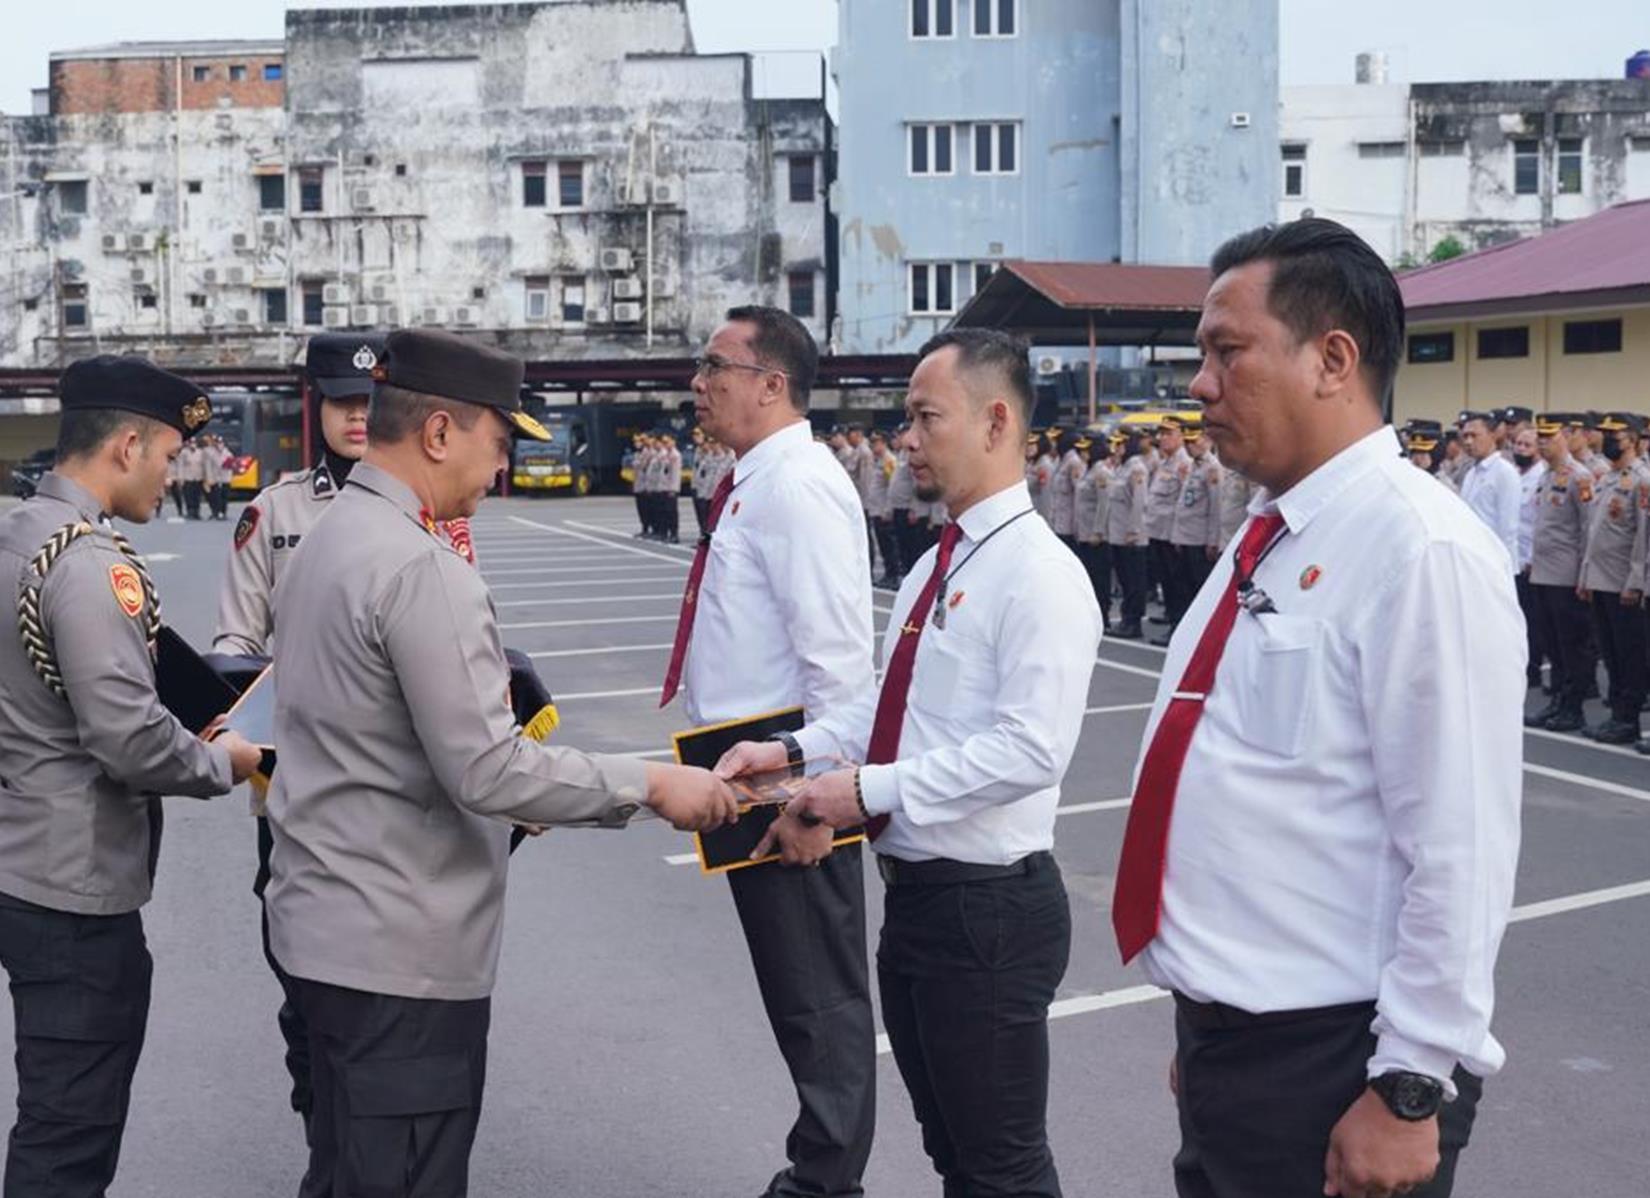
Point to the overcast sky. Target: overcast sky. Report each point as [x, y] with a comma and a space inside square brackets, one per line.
[1436, 40]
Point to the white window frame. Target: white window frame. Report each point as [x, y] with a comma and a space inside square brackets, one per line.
[962, 272]
[536, 294]
[996, 128]
[993, 8]
[553, 180]
[567, 283]
[1287, 162]
[1533, 155]
[933, 10]
[929, 129]
[1559, 154]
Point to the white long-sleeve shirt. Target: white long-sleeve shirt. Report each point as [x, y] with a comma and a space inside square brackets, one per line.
[1346, 825]
[1529, 498]
[784, 611]
[1492, 490]
[996, 700]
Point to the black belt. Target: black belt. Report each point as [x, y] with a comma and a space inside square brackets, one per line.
[1218, 1016]
[943, 872]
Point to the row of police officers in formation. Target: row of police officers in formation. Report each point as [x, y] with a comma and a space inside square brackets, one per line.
[201, 473]
[1568, 494]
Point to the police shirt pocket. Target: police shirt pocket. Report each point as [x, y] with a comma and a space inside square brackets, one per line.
[952, 670]
[1275, 681]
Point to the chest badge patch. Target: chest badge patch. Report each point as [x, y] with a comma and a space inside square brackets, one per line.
[245, 527]
[734, 510]
[956, 600]
[1310, 576]
[128, 588]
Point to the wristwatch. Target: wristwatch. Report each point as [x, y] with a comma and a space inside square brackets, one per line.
[793, 751]
[1412, 1097]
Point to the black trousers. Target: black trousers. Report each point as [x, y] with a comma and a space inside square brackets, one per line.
[1532, 625]
[1194, 568]
[966, 973]
[913, 538]
[1167, 567]
[398, 1085]
[289, 1018]
[80, 999]
[806, 931]
[1097, 565]
[701, 513]
[1567, 631]
[1258, 1101]
[1129, 564]
[192, 492]
[641, 510]
[1621, 633]
[175, 489]
[887, 545]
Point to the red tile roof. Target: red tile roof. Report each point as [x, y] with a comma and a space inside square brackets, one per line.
[1609, 252]
[1085, 285]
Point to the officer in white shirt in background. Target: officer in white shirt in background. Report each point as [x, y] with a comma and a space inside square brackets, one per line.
[1337, 740]
[988, 657]
[782, 618]
[1531, 469]
[1490, 485]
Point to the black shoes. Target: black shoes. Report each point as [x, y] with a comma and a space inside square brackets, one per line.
[1540, 718]
[1567, 720]
[1127, 630]
[1614, 732]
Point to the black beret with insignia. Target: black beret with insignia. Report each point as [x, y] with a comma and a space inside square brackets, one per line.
[133, 384]
[432, 362]
[341, 364]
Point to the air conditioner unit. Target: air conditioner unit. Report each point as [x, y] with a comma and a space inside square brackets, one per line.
[334, 294]
[667, 193]
[210, 276]
[1240, 120]
[244, 243]
[664, 288]
[379, 293]
[465, 315]
[240, 316]
[272, 228]
[235, 276]
[433, 316]
[626, 313]
[616, 261]
[114, 243]
[389, 316]
[211, 320]
[335, 317]
[361, 199]
[633, 195]
[142, 276]
[364, 315]
[140, 242]
[596, 316]
[627, 289]
[1048, 364]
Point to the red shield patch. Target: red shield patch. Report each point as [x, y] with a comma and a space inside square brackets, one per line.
[246, 526]
[128, 588]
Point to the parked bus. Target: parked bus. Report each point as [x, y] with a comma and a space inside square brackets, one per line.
[264, 432]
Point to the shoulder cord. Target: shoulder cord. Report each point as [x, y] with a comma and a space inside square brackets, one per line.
[37, 643]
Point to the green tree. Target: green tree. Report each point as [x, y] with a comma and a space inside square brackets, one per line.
[1449, 247]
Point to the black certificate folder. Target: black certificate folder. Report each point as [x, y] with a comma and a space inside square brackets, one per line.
[253, 716]
[730, 847]
[188, 687]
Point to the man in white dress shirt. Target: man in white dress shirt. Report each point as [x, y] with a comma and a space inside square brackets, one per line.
[1490, 485]
[988, 659]
[1531, 470]
[1320, 853]
[782, 618]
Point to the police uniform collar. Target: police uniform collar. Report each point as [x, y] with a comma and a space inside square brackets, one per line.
[321, 483]
[53, 485]
[1303, 501]
[772, 448]
[980, 519]
[385, 485]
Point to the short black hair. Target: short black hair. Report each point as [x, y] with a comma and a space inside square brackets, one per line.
[995, 350]
[82, 430]
[1324, 276]
[782, 342]
[396, 413]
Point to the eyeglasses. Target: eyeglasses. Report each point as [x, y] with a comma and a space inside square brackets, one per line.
[711, 364]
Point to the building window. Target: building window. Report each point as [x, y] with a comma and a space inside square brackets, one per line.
[401, 170]
[570, 184]
[1504, 343]
[931, 150]
[537, 298]
[995, 18]
[478, 294]
[933, 18]
[933, 288]
[76, 314]
[193, 187]
[1294, 171]
[572, 299]
[533, 175]
[146, 189]
[1569, 166]
[800, 286]
[1592, 336]
[996, 148]
[272, 193]
[274, 300]
[1431, 347]
[982, 274]
[1381, 149]
[273, 72]
[803, 188]
[200, 74]
[198, 300]
[309, 191]
[1526, 167]
[237, 73]
[71, 197]
[314, 303]
[1441, 149]
[146, 300]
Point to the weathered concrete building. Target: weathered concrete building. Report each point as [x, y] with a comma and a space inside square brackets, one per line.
[975, 131]
[570, 179]
[1482, 163]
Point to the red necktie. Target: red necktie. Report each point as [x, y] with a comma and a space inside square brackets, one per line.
[1137, 903]
[690, 597]
[896, 683]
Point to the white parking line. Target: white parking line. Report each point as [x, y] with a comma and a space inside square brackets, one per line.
[581, 582]
[598, 649]
[1587, 782]
[673, 596]
[611, 544]
[1117, 708]
[1580, 902]
[609, 571]
[639, 690]
[671, 616]
[1581, 742]
[1142, 671]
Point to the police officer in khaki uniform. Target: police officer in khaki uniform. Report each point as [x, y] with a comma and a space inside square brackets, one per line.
[1558, 548]
[880, 509]
[1168, 480]
[1610, 577]
[1063, 506]
[1195, 530]
[638, 485]
[401, 768]
[1235, 494]
[670, 487]
[85, 749]
[1089, 520]
[1126, 530]
[1583, 429]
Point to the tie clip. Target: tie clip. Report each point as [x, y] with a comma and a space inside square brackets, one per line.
[1189, 696]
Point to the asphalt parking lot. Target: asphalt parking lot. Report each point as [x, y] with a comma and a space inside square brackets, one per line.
[630, 1055]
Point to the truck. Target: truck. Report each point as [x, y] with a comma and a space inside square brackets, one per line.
[589, 446]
